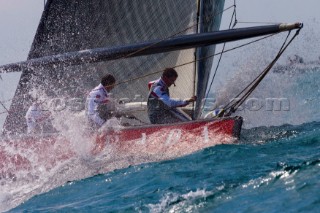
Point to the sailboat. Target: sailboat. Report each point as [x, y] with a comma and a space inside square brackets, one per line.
[77, 42]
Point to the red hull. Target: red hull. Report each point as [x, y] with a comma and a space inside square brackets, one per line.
[26, 152]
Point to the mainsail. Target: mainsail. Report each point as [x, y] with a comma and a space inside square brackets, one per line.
[68, 26]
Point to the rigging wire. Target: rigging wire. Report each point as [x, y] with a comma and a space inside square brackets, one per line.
[235, 14]
[233, 105]
[7, 111]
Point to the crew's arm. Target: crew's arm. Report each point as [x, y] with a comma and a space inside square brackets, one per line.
[163, 96]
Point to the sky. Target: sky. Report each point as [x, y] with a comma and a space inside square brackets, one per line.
[19, 20]
[277, 10]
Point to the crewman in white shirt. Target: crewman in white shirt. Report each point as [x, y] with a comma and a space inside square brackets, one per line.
[161, 107]
[99, 100]
[36, 118]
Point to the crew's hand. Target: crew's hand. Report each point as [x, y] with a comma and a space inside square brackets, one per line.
[193, 99]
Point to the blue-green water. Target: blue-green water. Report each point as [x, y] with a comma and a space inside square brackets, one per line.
[272, 169]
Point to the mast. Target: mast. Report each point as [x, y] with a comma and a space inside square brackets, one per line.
[210, 15]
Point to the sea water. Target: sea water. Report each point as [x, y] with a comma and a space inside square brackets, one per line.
[271, 169]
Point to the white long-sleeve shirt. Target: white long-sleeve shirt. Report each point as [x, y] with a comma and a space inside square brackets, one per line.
[96, 97]
[34, 117]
